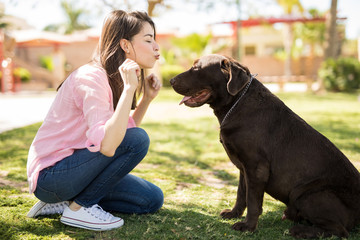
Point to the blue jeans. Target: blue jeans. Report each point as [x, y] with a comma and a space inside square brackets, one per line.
[90, 178]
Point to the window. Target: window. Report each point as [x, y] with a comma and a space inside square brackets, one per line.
[250, 50]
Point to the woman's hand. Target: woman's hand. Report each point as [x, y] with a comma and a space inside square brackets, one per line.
[130, 71]
[152, 86]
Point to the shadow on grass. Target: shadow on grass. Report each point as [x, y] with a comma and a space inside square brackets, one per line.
[185, 151]
[14, 224]
[343, 131]
[48, 228]
[14, 147]
[181, 221]
[188, 222]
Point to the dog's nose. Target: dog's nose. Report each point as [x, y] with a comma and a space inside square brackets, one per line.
[172, 81]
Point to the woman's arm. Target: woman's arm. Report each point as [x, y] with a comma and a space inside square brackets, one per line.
[115, 127]
[140, 111]
[152, 88]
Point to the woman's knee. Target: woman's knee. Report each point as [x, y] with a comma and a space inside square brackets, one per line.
[137, 138]
[157, 200]
[146, 196]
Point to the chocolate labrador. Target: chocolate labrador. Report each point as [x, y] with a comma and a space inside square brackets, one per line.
[275, 150]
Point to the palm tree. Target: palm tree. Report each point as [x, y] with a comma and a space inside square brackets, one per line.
[312, 34]
[331, 46]
[73, 19]
[116, 4]
[331, 41]
[289, 7]
[73, 15]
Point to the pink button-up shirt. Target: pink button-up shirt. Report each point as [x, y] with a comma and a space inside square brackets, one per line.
[76, 120]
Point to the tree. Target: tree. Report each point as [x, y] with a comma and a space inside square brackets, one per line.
[289, 7]
[331, 39]
[73, 23]
[191, 46]
[312, 35]
[331, 33]
[115, 4]
[3, 24]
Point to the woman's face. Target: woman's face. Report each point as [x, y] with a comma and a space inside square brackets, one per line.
[143, 48]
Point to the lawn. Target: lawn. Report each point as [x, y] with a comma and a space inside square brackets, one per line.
[188, 162]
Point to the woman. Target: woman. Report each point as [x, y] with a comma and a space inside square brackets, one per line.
[80, 159]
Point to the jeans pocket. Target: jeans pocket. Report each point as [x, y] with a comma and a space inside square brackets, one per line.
[46, 196]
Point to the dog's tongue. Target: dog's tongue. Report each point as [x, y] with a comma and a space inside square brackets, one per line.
[184, 99]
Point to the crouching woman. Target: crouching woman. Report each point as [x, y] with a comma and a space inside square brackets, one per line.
[80, 161]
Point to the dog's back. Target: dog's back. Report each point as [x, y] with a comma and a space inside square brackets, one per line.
[297, 152]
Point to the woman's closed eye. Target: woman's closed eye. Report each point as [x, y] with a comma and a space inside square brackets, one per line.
[149, 38]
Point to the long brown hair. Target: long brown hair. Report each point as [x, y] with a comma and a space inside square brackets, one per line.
[119, 25]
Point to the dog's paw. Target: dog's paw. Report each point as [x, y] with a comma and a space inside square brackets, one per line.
[244, 226]
[228, 214]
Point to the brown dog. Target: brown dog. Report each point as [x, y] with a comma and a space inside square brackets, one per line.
[276, 151]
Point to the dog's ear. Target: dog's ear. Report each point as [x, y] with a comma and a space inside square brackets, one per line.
[238, 76]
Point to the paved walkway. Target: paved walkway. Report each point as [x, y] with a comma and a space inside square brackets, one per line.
[25, 108]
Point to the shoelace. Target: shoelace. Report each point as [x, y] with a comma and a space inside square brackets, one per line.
[52, 208]
[99, 213]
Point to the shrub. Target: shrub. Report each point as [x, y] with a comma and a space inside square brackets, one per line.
[341, 75]
[47, 63]
[22, 73]
[168, 72]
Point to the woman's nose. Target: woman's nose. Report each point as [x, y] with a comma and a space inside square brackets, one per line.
[156, 46]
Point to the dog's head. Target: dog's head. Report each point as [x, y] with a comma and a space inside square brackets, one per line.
[212, 79]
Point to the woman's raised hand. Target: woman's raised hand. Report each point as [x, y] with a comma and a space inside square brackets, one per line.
[130, 71]
[152, 86]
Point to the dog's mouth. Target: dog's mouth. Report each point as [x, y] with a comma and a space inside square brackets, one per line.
[197, 99]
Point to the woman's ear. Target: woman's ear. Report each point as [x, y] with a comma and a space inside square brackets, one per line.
[124, 44]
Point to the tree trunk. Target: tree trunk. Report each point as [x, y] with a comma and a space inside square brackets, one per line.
[330, 39]
[287, 47]
[331, 35]
[151, 6]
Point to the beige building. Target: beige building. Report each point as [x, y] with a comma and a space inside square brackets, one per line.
[263, 50]
[67, 52]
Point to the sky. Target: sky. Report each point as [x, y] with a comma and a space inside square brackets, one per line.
[185, 17]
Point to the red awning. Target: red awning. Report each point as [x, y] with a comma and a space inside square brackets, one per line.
[259, 21]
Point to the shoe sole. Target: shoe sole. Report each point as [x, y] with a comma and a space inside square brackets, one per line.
[35, 209]
[91, 226]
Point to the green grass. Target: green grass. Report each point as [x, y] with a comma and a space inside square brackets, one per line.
[188, 162]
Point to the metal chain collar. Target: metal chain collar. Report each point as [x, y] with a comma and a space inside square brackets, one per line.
[242, 94]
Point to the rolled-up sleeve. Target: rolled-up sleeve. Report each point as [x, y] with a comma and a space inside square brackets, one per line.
[94, 97]
[95, 135]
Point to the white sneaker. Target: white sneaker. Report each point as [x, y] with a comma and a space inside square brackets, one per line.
[93, 218]
[43, 208]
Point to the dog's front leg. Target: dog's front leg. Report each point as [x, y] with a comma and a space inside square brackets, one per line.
[255, 187]
[240, 204]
